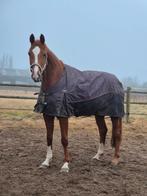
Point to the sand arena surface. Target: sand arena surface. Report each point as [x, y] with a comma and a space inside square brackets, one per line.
[23, 148]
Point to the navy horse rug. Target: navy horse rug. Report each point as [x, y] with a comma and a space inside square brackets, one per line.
[83, 93]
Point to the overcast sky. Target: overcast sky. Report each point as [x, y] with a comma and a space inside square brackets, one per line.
[106, 35]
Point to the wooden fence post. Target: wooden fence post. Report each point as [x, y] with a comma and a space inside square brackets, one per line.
[128, 103]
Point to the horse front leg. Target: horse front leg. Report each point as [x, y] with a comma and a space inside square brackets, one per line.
[49, 122]
[64, 140]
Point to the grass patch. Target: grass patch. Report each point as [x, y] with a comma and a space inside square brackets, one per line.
[18, 114]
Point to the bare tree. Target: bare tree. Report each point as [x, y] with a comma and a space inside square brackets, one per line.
[131, 82]
[6, 61]
[10, 62]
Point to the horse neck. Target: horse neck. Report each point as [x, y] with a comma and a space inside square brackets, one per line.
[53, 71]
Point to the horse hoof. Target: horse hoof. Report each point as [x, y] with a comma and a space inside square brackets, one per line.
[115, 161]
[64, 170]
[97, 157]
[43, 166]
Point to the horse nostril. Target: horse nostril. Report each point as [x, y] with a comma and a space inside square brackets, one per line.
[31, 69]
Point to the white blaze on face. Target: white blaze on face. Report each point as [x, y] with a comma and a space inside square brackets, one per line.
[36, 52]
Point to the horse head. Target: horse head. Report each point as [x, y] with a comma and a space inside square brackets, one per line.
[38, 57]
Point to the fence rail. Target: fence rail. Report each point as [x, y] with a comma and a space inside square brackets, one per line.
[15, 97]
[129, 93]
[20, 85]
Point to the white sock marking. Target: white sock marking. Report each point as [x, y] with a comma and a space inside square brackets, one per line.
[101, 149]
[65, 167]
[99, 152]
[49, 156]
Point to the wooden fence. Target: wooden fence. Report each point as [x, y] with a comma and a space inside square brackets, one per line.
[132, 97]
[135, 97]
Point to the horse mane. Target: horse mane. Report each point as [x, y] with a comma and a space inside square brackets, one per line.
[53, 71]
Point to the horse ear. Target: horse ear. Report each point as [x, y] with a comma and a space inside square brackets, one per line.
[32, 38]
[42, 38]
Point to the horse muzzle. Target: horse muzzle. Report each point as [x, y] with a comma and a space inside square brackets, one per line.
[36, 79]
[36, 73]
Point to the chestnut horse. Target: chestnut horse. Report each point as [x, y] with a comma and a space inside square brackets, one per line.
[48, 69]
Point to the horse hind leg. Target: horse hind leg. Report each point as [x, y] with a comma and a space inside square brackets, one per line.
[116, 138]
[102, 132]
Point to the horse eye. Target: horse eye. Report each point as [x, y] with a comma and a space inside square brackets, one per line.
[29, 53]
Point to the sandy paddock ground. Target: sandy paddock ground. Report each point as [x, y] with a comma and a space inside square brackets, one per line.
[23, 148]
